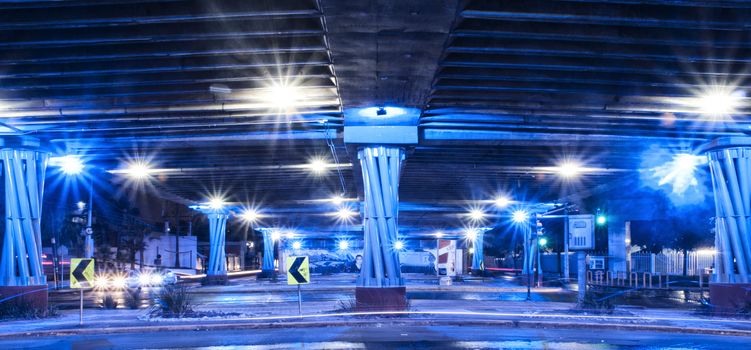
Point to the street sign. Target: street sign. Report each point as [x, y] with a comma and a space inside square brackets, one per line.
[298, 271]
[81, 273]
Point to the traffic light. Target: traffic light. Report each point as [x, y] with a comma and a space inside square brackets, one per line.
[601, 219]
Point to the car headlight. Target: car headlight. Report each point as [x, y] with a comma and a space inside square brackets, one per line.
[118, 282]
[144, 279]
[156, 279]
[101, 282]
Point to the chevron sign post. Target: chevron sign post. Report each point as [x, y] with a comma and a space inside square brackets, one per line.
[298, 273]
[81, 276]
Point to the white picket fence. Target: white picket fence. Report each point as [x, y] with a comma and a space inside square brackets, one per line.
[671, 262]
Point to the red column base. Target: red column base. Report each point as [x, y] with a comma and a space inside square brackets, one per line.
[730, 297]
[381, 299]
[33, 296]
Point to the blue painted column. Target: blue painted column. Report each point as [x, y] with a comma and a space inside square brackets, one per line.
[267, 266]
[381, 166]
[730, 164]
[478, 256]
[217, 268]
[23, 173]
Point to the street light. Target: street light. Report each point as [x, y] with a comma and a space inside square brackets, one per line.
[398, 245]
[317, 166]
[138, 170]
[343, 245]
[345, 213]
[249, 215]
[216, 203]
[296, 245]
[519, 216]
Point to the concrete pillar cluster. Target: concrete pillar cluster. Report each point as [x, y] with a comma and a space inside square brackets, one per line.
[730, 165]
[217, 268]
[381, 166]
[23, 180]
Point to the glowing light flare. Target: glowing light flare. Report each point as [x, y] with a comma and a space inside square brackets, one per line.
[519, 216]
[345, 213]
[398, 245]
[81, 205]
[569, 169]
[69, 164]
[502, 201]
[706, 251]
[718, 102]
[601, 219]
[296, 245]
[337, 200]
[470, 234]
[249, 215]
[542, 241]
[343, 245]
[138, 170]
[283, 96]
[318, 166]
[276, 236]
[439, 234]
[216, 203]
[680, 172]
[476, 214]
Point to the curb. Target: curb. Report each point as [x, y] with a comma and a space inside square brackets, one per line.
[360, 323]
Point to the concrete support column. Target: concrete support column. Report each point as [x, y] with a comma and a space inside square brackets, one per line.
[217, 268]
[380, 285]
[618, 250]
[267, 265]
[478, 256]
[381, 166]
[23, 176]
[730, 164]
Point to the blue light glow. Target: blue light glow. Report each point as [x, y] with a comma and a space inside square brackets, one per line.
[678, 175]
[69, 165]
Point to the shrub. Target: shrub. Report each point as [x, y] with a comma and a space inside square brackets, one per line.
[109, 302]
[134, 299]
[173, 301]
[596, 301]
[24, 310]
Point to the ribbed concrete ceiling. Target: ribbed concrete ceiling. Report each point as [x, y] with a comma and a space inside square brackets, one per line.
[506, 88]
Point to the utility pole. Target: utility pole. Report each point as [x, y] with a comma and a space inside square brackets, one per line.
[177, 235]
[566, 268]
[89, 241]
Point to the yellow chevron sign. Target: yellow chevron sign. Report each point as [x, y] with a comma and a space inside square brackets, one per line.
[81, 273]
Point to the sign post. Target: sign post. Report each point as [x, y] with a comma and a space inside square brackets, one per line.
[298, 272]
[81, 276]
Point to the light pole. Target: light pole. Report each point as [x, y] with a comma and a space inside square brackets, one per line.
[89, 243]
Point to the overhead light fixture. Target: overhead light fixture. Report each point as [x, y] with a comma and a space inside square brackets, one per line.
[718, 101]
[476, 214]
[569, 169]
[216, 203]
[502, 201]
[249, 215]
[438, 234]
[337, 200]
[318, 166]
[69, 164]
[138, 170]
[345, 213]
[283, 96]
